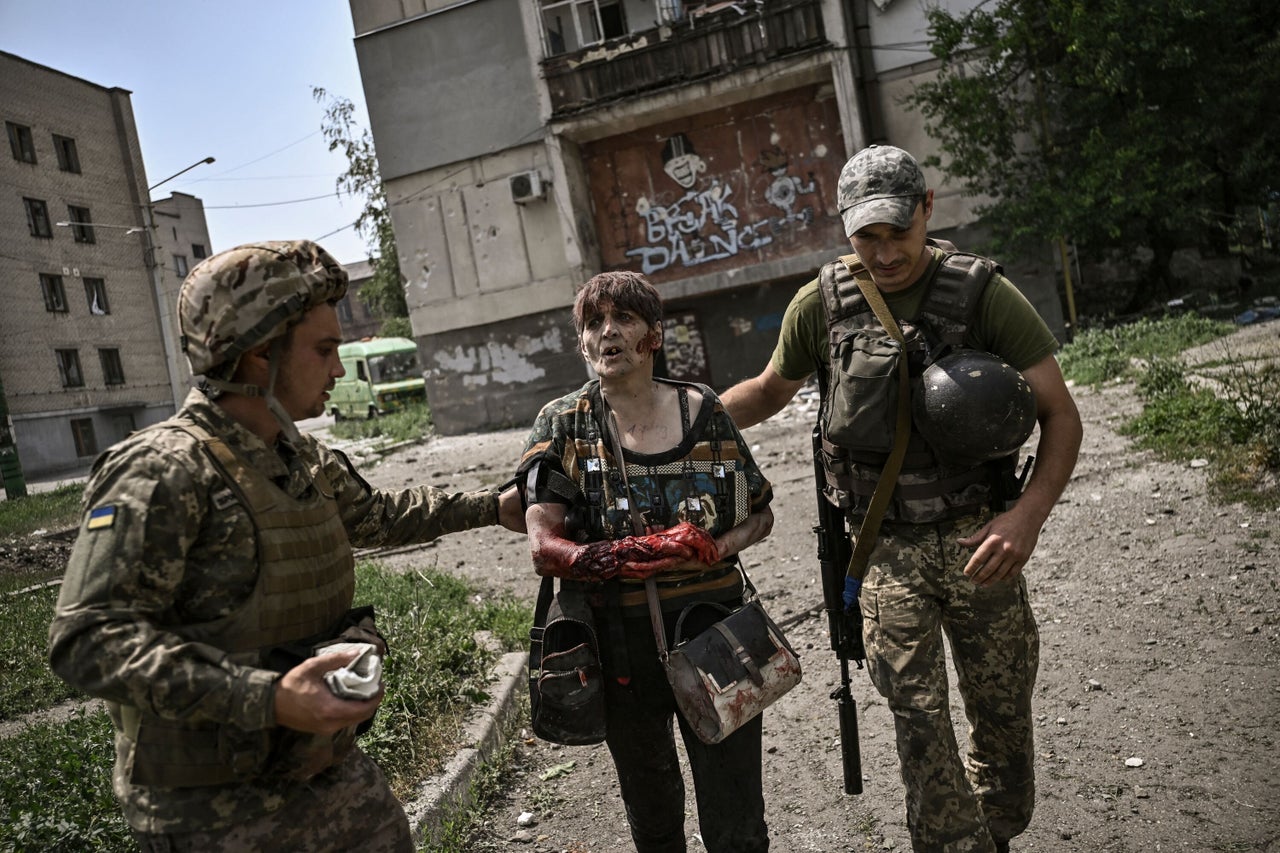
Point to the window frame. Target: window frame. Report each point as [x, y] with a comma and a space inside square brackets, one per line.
[96, 286]
[68, 155]
[67, 359]
[81, 219]
[180, 265]
[112, 366]
[37, 210]
[22, 143]
[83, 437]
[51, 284]
[199, 251]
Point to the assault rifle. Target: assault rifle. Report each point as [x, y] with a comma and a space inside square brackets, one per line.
[834, 551]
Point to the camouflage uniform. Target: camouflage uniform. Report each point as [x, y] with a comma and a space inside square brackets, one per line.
[915, 589]
[164, 545]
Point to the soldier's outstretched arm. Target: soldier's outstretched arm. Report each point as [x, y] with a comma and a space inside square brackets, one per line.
[1003, 546]
[760, 397]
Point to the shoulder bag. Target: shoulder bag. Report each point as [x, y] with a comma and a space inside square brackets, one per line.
[730, 671]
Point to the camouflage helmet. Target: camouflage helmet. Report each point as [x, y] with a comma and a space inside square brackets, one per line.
[972, 407]
[246, 296]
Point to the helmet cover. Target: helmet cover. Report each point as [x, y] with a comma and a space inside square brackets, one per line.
[246, 296]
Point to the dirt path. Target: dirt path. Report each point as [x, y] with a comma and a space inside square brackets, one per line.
[1160, 633]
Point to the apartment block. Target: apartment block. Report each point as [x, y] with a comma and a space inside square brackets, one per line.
[82, 356]
[529, 144]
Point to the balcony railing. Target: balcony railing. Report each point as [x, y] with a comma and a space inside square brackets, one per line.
[696, 48]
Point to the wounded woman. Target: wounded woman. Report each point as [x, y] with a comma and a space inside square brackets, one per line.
[692, 485]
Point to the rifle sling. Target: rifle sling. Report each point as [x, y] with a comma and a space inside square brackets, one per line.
[870, 528]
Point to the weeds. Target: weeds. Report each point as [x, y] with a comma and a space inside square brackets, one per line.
[1227, 412]
[1101, 355]
[411, 424]
[52, 510]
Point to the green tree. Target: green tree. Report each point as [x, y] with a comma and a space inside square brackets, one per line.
[1120, 124]
[384, 293]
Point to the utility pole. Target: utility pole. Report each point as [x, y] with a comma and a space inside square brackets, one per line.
[154, 268]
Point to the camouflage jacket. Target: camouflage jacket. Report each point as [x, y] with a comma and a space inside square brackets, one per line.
[163, 542]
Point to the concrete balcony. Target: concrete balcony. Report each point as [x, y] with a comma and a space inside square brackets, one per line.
[714, 41]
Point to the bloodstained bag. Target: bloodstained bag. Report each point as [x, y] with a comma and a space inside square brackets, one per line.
[729, 672]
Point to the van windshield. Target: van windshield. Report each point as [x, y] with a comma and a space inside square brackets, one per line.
[394, 367]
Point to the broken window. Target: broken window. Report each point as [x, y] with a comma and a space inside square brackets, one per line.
[112, 369]
[571, 25]
[95, 293]
[68, 159]
[81, 224]
[55, 295]
[69, 368]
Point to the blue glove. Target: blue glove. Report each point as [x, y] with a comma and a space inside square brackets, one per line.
[852, 588]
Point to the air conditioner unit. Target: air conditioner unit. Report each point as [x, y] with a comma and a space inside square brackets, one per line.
[527, 187]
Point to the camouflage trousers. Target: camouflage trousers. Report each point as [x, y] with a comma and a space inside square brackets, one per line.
[915, 591]
[346, 809]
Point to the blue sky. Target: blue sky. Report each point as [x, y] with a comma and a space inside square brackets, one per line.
[224, 78]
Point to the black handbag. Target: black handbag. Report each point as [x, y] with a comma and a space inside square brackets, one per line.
[566, 683]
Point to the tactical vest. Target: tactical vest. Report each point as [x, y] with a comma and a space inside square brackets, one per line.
[305, 585]
[858, 416]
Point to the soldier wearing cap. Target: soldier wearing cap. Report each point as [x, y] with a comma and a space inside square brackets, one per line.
[214, 561]
[954, 535]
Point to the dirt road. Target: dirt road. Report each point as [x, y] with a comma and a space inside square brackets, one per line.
[1160, 634]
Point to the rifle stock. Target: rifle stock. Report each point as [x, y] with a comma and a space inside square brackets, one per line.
[834, 552]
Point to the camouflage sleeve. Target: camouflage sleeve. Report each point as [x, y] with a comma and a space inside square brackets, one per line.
[128, 577]
[376, 518]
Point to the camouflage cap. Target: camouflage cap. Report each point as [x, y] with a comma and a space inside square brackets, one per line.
[879, 184]
[245, 296]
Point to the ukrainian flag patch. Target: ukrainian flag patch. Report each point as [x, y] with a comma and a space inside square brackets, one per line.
[102, 517]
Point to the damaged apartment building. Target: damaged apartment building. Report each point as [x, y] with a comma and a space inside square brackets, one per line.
[526, 145]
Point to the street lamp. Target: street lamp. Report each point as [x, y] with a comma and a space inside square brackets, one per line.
[175, 174]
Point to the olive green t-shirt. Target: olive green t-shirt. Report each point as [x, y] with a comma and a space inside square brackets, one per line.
[1005, 325]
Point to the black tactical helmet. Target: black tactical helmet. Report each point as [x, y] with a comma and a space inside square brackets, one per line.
[972, 407]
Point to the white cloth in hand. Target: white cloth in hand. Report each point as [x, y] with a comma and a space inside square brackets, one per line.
[360, 678]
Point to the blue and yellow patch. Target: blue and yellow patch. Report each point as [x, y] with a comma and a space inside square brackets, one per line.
[102, 517]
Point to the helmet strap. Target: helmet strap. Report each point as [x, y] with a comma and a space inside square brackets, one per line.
[287, 426]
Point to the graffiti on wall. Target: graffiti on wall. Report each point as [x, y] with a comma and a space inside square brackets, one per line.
[703, 224]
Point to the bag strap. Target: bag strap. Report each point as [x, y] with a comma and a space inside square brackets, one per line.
[638, 528]
[546, 593]
[870, 528]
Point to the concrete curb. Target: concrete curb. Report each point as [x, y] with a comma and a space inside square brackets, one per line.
[442, 796]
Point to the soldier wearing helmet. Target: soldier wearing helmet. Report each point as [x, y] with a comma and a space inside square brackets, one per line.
[953, 538]
[214, 565]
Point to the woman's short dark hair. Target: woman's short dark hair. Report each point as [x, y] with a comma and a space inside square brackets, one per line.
[627, 291]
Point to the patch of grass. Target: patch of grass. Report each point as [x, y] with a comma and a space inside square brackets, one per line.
[54, 510]
[1231, 418]
[1100, 355]
[56, 794]
[28, 684]
[411, 424]
[436, 670]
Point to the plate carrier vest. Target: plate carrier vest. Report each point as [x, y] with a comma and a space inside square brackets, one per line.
[928, 488]
[305, 585]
